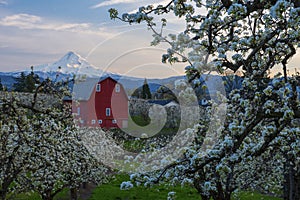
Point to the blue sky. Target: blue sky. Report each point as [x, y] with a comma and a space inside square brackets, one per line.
[38, 32]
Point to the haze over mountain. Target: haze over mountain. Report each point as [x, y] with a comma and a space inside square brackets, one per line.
[73, 64]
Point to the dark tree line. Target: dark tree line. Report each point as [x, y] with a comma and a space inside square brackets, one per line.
[26, 83]
[143, 92]
[1, 85]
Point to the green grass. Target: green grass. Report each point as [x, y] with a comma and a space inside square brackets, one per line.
[64, 195]
[254, 195]
[140, 120]
[111, 191]
[134, 145]
[25, 196]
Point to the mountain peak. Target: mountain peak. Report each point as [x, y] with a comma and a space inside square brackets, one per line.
[71, 63]
[71, 59]
[71, 54]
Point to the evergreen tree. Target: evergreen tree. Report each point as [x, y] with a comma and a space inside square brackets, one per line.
[165, 93]
[137, 93]
[30, 81]
[146, 94]
[1, 86]
[26, 83]
[19, 85]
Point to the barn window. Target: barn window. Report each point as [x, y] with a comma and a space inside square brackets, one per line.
[93, 121]
[114, 121]
[118, 88]
[98, 87]
[107, 111]
[100, 121]
[78, 111]
[125, 124]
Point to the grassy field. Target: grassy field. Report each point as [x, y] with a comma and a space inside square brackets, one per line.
[111, 191]
[64, 195]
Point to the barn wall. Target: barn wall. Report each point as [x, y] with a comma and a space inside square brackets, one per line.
[116, 101]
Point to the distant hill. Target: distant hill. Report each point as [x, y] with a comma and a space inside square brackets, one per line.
[73, 64]
[7, 79]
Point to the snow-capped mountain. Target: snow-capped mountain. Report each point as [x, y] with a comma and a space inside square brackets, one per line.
[71, 64]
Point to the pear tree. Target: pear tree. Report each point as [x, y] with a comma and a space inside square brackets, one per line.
[259, 141]
[40, 145]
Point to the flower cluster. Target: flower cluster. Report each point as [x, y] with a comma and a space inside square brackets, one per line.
[255, 147]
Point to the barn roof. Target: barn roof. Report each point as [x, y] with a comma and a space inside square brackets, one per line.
[161, 102]
[82, 90]
[172, 103]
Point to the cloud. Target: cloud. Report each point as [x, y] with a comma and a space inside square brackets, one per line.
[23, 21]
[26, 21]
[25, 47]
[113, 2]
[3, 2]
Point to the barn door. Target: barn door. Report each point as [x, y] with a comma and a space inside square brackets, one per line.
[124, 124]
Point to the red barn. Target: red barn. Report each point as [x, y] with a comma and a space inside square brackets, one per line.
[101, 103]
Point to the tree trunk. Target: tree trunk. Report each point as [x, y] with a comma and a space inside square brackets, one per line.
[3, 194]
[297, 186]
[228, 195]
[73, 193]
[4, 187]
[197, 185]
[84, 185]
[222, 196]
[291, 182]
[203, 197]
[47, 196]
